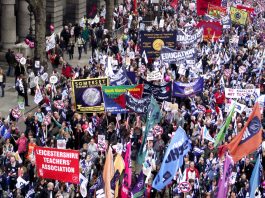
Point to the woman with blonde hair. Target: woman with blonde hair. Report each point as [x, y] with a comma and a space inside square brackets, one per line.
[2, 82]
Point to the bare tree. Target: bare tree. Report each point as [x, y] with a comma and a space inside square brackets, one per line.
[39, 12]
[109, 14]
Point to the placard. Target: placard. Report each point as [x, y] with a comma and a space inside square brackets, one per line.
[57, 164]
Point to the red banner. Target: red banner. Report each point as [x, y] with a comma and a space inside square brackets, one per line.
[57, 164]
[216, 11]
[211, 30]
[245, 8]
[174, 4]
[202, 5]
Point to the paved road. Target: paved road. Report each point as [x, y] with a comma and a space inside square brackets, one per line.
[10, 100]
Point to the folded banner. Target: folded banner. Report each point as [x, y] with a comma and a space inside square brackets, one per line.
[57, 164]
[160, 93]
[114, 97]
[202, 5]
[120, 78]
[173, 159]
[185, 39]
[137, 105]
[216, 11]
[212, 30]
[239, 93]
[187, 89]
[238, 16]
[87, 94]
[169, 55]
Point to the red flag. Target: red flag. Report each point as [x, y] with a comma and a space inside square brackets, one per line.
[174, 4]
[202, 5]
[249, 138]
[245, 8]
[211, 30]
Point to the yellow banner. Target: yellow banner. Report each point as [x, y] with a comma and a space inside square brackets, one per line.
[238, 16]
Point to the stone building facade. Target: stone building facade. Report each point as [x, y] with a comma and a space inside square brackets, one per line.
[15, 17]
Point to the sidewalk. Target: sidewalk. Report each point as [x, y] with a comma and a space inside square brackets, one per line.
[10, 100]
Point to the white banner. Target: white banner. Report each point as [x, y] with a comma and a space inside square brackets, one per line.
[50, 42]
[238, 107]
[239, 93]
[38, 96]
[154, 75]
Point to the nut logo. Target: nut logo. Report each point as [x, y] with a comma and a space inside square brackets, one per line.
[158, 44]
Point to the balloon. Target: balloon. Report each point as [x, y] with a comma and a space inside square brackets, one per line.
[51, 28]
[31, 45]
[167, 78]
[27, 41]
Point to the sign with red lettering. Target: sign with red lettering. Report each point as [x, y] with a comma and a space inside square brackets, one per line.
[185, 187]
[57, 164]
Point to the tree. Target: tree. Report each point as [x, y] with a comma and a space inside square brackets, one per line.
[39, 12]
[109, 14]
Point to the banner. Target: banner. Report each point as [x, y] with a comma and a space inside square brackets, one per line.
[249, 138]
[224, 180]
[127, 178]
[120, 78]
[153, 117]
[212, 30]
[216, 11]
[139, 188]
[239, 93]
[202, 5]
[238, 16]
[185, 39]
[50, 42]
[170, 56]
[238, 106]
[160, 93]
[108, 172]
[114, 97]
[226, 22]
[154, 75]
[250, 10]
[87, 94]
[255, 177]
[38, 96]
[174, 4]
[173, 159]
[57, 164]
[137, 105]
[188, 89]
[152, 42]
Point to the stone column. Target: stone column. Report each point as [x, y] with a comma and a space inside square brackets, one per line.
[23, 19]
[54, 9]
[75, 10]
[8, 23]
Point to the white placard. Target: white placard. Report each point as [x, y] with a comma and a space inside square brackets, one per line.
[61, 144]
[53, 79]
[154, 75]
[239, 93]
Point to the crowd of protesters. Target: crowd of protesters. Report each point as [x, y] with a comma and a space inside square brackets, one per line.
[201, 167]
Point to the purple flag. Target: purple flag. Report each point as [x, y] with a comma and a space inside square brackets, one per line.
[114, 180]
[224, 179]
[138, 189]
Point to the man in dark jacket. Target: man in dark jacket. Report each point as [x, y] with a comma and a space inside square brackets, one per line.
[48, 192]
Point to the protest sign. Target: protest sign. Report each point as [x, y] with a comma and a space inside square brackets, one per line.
[87, 94]
[226, 22]
[102, 143]
[61, 144]
[57, 164]
[50, 42]
[172, 56]
[119, 78]
[154, 75]
[114, 98]
[152, 42]
[238, 107]
[187, 89]
[239, 93]
[185, 39]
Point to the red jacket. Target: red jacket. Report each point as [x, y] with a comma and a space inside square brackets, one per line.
[67, 71]
[219, 97]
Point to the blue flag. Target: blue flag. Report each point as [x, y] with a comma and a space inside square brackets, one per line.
[255, 178]
[173, 160]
